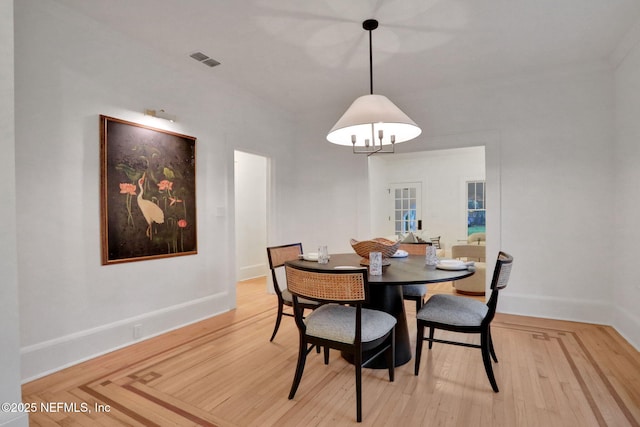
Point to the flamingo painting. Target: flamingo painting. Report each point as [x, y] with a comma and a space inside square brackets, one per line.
[151, 212]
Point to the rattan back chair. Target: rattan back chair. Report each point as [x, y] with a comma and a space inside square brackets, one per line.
[340, 322]
[465, 315]
[278, 255]
[414, 292]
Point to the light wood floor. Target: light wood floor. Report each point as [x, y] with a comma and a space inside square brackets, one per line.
[224, 372]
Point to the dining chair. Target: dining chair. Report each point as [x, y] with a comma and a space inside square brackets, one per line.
[465, 315]
[436, 242]
[278, 255]
[414, 292]
[340, 322]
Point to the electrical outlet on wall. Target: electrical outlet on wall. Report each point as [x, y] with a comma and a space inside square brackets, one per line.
[137, 331]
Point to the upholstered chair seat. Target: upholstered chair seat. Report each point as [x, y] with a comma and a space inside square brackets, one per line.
[338, 323]
[453, 310]
[416, 291]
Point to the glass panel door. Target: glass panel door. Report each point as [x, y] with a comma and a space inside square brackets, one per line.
[407, 207]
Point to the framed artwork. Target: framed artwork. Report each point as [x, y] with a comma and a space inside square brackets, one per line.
[148, 192]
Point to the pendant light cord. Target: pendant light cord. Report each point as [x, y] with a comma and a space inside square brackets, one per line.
[370, 64]
[370, 25]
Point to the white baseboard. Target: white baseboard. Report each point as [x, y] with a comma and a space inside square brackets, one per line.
[8, 419]
[251, 271]
[574, 309]
[50, 356]
[628, 325]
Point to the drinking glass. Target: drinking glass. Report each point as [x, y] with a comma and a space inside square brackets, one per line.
[375, 263]
[323, 255]
[431, 258]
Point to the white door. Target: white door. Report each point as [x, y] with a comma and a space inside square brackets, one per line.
[405, 202]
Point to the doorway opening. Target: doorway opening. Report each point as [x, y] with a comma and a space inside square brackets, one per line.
[441, 206]
[251, 187]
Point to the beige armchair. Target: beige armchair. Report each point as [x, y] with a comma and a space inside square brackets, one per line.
[477, 239]
[474, 285]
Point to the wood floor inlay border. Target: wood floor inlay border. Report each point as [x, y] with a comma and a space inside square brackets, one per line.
[179, 411]
[224, 372]
[146, 377]
[542, 333]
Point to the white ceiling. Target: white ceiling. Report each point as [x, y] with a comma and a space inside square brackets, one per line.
[306, 54]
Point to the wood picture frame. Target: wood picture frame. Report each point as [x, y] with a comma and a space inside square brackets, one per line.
[147, 192]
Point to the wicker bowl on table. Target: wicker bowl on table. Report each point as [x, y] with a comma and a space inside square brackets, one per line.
[385, 246]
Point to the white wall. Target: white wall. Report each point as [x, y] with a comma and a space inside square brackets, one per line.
[251, 214]
[443, 174]
[328, 202]
[550, 168]
[626, 231]
[549, 157]
[68, 71]
[9, 333]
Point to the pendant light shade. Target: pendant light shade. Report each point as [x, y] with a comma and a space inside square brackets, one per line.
[366, 117]
[373, 121]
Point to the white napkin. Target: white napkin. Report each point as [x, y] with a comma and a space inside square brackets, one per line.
[400, 254]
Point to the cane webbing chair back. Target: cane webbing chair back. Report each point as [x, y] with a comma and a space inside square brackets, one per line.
[278, 255]
[502, 271]
[341, 286]
[499, 281]
[414, 248]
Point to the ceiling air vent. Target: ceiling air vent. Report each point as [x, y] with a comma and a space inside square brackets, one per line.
[201, 57]
[211, 62]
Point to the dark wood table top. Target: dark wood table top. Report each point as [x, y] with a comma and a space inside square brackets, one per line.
[402, 271]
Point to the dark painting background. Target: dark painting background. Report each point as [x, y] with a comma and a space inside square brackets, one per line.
[167, 162]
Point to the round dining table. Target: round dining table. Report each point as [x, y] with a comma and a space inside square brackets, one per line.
[385, 291]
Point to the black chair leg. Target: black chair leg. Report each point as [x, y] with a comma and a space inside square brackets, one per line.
[358, 366]
[419, 341]
[431, 330]
[326, 355]
[486, 359]
[302, 358]
[493, 352]
[391, 356]
[278, 319]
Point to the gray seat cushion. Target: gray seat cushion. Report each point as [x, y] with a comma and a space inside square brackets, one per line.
[414, 290]
[453, 310]
[286, 295]
[338, 323]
